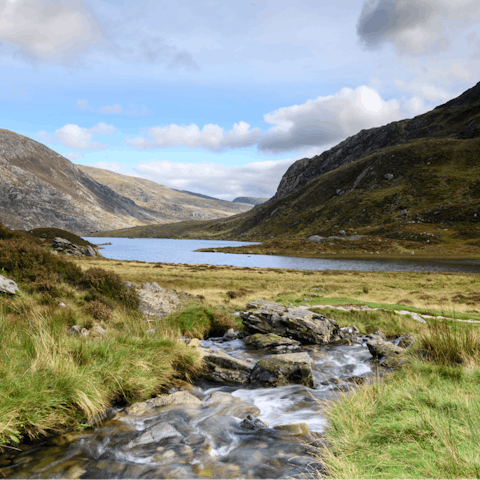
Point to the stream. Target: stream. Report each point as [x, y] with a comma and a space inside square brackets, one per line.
[222, 431]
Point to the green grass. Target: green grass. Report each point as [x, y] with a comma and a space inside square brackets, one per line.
[423, 422]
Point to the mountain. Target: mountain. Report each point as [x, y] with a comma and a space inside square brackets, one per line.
[422, 170]
[174, 205]
[250, 200]
[40, 188]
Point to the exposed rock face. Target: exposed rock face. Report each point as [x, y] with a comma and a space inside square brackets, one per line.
[8, 286]
[68, 248]
[391, 355]
[157, 302]
[278, 370]
[39, 187]
[250, 200]
[296, 323]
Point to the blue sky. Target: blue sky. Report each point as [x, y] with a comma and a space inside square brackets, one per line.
[219, 96]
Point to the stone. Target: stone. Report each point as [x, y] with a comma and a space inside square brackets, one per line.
[278, 370]
[8, 286]
[342, 232]
[351, 333]
[403, 213]
[156, 302]
[381, 335]
[316, 239]
[88, 251]
[220, 367]
[294, 429]
[387, 353]
[154, 435]
[225, 404]
[75, 330]
[272, 342]
[177, 398]
[130, 285]
[97, 332]
[388, 176]
[405, 341]
[356, 238]
[296, 323]
[252, 423]
[84, 333]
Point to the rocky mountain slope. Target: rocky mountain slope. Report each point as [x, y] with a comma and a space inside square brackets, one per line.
[250, 200]
[174, 205]
[423, 170]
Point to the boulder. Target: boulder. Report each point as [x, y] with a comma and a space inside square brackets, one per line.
[278, 370]
[220, 367]
[387, 353]
[252, 423]
[8, 286]
[294, 429]
[154, 435]
[97, 332]
[316, 239]
[405, 341]
[351, 333]
[296, 323]
[272, 342]
[225, 404]
[69, 248]
[130, 285]
[157, 302]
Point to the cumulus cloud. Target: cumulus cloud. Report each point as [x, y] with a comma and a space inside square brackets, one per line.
[258, 179]
[79, 138]
[315, 123]
[54, 30]
[327, 120]
[211, 137]
[116, 109]
[416, 26]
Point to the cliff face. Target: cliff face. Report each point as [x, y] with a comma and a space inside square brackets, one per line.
[39, 187]
[457, 118]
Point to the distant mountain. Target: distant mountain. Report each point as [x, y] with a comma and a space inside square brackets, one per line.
[173, 205]
[40, 188]
[421, 170]
[250, 200]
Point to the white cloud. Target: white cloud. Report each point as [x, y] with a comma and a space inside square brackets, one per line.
[73, 136]
[117, 108]
[83, 104]
[327, 120]
[259, 179]
[74, 156]
[211, 137]
[48, 30]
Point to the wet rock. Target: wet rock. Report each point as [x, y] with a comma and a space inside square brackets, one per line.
[226, 404]
[157, 303]
[381, 335]
[405, 341]
[278, 370]
[351, 333]
[296, 323]
[273, 343]
[220, 367]
[8, 286]
[177, 398]
[388, 354]
[294, 429]
[252, 423]
[154, 435]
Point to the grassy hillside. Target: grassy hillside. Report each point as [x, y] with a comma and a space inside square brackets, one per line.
[174, 205]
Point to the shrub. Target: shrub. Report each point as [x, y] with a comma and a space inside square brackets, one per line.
[238, 293]
[110, 285]
[94, 296]
[98, 310]
[366, 290]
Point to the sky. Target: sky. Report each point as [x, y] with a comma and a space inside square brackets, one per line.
[220, 97]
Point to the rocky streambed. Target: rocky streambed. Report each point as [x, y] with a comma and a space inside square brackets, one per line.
[256, 413]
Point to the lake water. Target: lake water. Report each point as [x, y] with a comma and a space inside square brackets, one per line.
[166, 250]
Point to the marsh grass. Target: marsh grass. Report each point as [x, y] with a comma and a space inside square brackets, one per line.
[52, 381]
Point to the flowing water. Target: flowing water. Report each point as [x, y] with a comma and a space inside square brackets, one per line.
[169, 250]
[209, 439]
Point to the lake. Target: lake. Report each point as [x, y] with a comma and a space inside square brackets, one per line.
[166, 250]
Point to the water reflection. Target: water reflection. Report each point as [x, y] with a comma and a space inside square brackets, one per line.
[166, 250]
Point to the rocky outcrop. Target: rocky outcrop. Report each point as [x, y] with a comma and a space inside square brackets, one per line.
[320, 239]
[97, 332]
[61, 245]
[278, 370]
[156, 302]
[296, 323]
[8, 286]
[250, 200]
[273, 343]
[220, 367]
